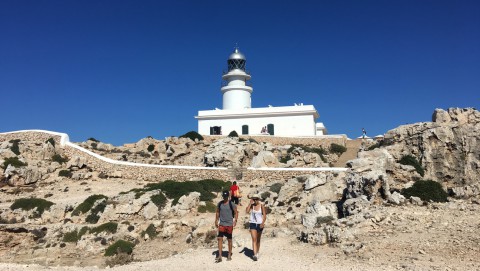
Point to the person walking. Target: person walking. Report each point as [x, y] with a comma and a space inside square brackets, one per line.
[225, 220]
[235, 193]
[258, 216]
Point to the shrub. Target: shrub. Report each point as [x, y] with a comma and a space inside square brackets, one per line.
[233, 134]
[160, 200]
[276, 187]
[426, 190]
[208, 208]
[14, 148]
[87, 204]
[31, 203]
[193, 135]
[120, 246]
[151, 231]
[51, 140]
[92, 139]
[265, 195]
[412, 161]
[93, 217]
[94, 145]
[65, 173]
[338, 149]
[374, 146]
[150, 147]
[71, 237]
[59, 159]
[174, 189]
[14, 162]
[119, 259]
[320, 151]
[110, 227]
[285, 159]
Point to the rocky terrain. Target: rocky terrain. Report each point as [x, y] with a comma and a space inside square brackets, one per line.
[373, 216]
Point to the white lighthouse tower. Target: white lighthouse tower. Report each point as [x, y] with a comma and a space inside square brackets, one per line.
[236, 93]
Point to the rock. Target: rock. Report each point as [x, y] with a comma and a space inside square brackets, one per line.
[77, 161]
[396, 198]
[355, 205]
[264, 159]
[312, 181]
[416, 201]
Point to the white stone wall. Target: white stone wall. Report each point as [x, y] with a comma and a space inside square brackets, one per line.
[303, 125]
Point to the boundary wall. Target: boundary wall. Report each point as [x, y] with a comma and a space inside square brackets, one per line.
[149, 172]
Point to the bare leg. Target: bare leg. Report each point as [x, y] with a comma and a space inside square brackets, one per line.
[220, 245]
[229, 249]
[254, 241]
[259, 236]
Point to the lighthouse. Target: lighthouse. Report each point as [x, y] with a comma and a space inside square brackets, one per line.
[238, 115]
[236, 92]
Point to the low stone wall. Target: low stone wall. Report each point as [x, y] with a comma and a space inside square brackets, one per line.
[155, 172]
[321, 141]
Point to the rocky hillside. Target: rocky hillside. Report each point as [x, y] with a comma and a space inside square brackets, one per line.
[57, 209]
[221, 152]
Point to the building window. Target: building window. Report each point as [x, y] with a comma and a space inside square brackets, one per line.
[244, 129]
[270, 129]
[215, 130]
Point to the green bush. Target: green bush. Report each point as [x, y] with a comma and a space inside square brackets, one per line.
[265, 195]
[120, 246]
[276, 187]
[14, 148]
[193, 135]
[51, 140]
[110, 227]
[31, 203]
[92, 139]
[412, 161]
[160, 200]
[285, 159]
[233, 134]
[93, 217]
[59, 159]
[14, 162]
[87, 204]
[65, 173]
[374, 146]
[71, 237]
[338, 149]
[151, 231]
[174, 189]
[208, 208]
[426, 190]
[150, 147]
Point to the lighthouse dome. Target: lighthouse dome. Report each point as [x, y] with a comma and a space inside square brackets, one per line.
[237, 55]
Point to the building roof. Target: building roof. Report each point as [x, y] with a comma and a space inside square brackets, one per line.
[259, 111]
[237, 55]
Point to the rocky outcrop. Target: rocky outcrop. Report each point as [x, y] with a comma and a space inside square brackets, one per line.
[448, 148]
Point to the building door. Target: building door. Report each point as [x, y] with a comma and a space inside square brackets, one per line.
[244, 129]
[270, 129]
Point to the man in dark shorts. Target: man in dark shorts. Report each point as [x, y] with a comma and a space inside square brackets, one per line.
[225, 219]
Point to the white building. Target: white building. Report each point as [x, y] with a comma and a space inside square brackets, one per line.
[238, 115]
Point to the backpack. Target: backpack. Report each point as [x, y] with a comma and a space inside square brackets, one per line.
[231, 207]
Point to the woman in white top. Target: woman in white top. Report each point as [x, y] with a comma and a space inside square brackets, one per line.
[258, 215]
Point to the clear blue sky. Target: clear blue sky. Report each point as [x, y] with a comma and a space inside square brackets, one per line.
[123, 70]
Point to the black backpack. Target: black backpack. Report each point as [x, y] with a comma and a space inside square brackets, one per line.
[231, 207]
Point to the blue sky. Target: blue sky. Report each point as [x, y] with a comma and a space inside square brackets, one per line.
[123, 70]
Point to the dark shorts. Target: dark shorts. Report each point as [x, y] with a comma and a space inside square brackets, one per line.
[256, 227]
[235, 200]
[225, 231]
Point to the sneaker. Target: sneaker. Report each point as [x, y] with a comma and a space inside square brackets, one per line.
[218, 259]
[255, 257]
[229, 258]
